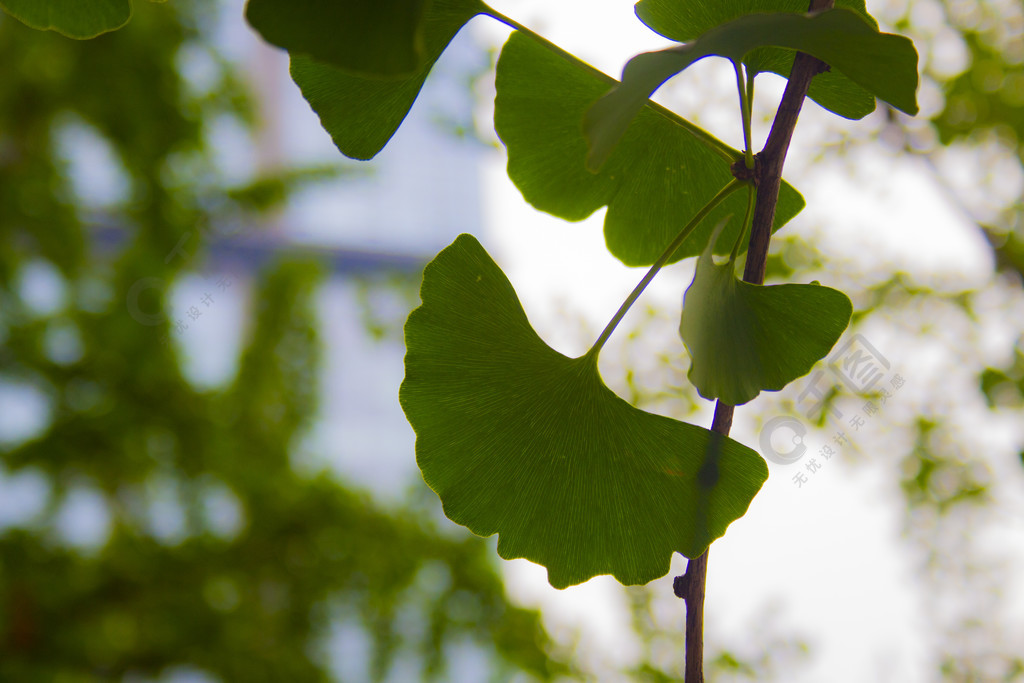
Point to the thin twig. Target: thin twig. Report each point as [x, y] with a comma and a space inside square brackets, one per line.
[690, 586]
[768, 178]
[768, 167]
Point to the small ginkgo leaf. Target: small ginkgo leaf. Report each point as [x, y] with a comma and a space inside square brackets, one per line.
[745, 338]
[362, 112]
[80, 19]
[372, 37]
[685, 21]
[665, 170]
[884, 64]
[519, 440]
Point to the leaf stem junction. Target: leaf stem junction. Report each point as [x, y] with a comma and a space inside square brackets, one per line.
[733, 186]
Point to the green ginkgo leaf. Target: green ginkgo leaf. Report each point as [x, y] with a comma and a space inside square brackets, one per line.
[373, 37]
[519, 440]
[745, 338]
[361, 112]
[685, 21]
[80, 19]
[884, 64]
[665, 170]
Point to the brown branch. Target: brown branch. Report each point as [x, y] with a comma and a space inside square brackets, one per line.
[768, 166]
[768, 179]
[690, 586]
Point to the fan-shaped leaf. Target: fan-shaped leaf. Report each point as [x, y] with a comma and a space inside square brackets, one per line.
[362, 113]
[884, 64]
[79, 19]
[374, 37]
[685, 21]
[745, 338]
[665, 170]
[519, 440]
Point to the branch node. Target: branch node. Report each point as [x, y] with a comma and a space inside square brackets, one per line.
[680, 584]
[741, 172]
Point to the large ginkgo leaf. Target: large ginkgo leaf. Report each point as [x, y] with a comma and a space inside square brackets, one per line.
[685, 21]
[519, 440]
[79, 19]
[745, 338]
[375, 37]
[362, 113]
[884, 64]
[664, 171]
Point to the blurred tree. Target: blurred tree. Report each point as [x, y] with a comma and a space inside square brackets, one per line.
[208, 553]
[982, 110]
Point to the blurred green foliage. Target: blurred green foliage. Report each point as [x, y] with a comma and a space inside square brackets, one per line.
[987, 96]
[267, 561]
[986, 102]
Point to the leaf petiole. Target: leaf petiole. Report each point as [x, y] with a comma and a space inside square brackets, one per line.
[665, 256]
[751, 195]
[746, 92]
[713, 143]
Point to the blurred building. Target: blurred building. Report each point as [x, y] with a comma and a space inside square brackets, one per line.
[375, 227]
